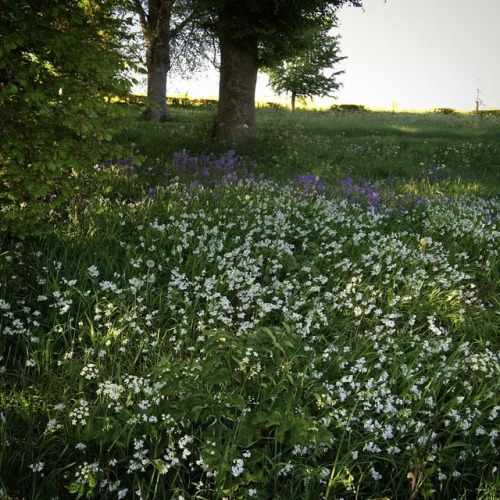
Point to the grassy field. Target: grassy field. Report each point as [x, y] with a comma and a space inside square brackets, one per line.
[333, 145]
[314, 316]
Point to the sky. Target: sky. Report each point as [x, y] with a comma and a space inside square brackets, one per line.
[406, 55]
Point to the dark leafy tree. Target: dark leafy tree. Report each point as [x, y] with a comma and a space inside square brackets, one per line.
[255, 34]
[60, 64]
[309, 73]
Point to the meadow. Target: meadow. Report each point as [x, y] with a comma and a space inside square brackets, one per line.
[313, 316]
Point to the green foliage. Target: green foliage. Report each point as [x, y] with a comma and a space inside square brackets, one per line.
[59, 65]
[347, 107]
[485, 112]
[445, 111]
[278, 26]
[309, 72]
[176, 102]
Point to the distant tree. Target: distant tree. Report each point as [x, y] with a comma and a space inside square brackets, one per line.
[60, 62]
[309, 73]
[255, 34]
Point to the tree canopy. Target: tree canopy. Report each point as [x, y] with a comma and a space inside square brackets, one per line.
[310, 72]
[279, 26]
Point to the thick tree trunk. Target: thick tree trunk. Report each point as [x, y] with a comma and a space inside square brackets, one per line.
[293, 101]
[158, 64]
[238, 78]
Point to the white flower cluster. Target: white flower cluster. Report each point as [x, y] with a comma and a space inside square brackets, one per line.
[373, 302]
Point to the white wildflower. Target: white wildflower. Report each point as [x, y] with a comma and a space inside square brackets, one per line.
[93, 271]
[237, 468]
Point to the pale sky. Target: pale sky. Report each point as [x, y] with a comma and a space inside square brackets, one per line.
[407, 54]
[421, 53]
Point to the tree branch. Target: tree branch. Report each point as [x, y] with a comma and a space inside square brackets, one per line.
[179, 27]
[142, 16]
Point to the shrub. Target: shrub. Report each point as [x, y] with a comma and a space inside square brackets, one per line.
[495, 112]
[348, 108]
[445, 111]
[271, 105]
[55, 120]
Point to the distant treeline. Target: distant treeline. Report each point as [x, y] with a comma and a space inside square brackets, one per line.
[177, 102]
[188, 102]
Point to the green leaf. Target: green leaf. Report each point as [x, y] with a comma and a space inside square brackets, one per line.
[220, 376]
[77, 488]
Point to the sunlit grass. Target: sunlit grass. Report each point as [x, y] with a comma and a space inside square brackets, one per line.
[362, 145]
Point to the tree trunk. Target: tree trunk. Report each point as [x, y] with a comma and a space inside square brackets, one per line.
[158, 64]
[293, 101]
[238, 78]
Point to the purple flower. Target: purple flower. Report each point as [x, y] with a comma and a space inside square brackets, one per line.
[309, 183]
[210, 170]
[376, 197]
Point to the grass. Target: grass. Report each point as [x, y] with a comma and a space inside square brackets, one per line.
[337, 145]
[330, 330]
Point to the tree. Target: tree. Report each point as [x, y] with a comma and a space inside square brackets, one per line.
[309, 73]
[254, 34]
[163, 22]
[60, 63]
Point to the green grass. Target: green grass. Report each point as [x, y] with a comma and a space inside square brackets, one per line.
[337, 145]
[304, 338]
